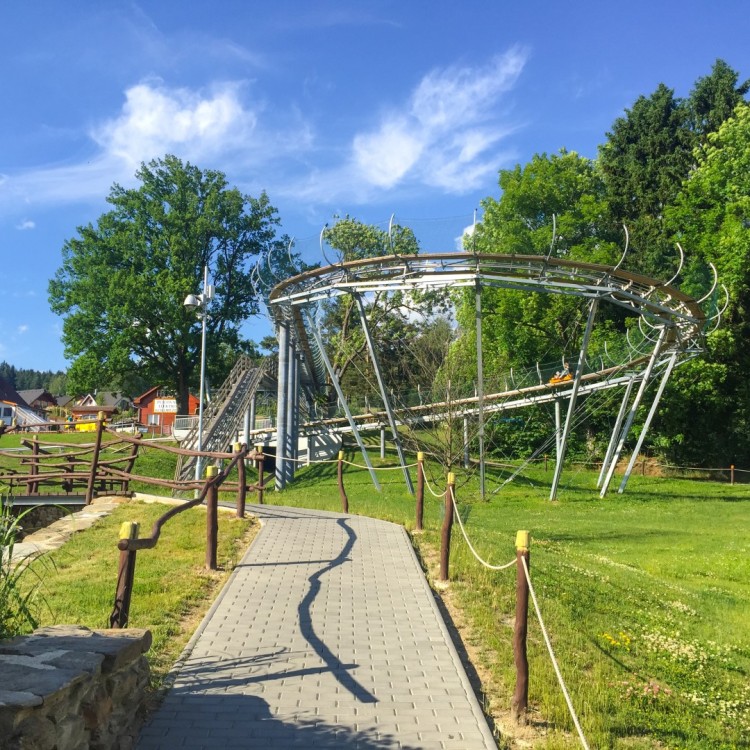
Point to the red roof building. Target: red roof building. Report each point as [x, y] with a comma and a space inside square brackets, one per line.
[157, 409]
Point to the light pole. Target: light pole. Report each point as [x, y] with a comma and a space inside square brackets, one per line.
[200, 302]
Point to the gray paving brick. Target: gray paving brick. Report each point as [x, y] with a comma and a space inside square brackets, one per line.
[326, 635]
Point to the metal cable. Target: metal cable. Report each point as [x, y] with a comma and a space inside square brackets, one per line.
[552, 656]
[471, 547]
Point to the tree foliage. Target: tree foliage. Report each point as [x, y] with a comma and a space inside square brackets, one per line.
[711, 216]
[123, 280]
[564, 191]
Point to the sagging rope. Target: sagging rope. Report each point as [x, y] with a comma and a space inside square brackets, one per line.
[470, 545]
[552, 656]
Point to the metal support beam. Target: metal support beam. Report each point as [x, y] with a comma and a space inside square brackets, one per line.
[382, 442]
[649, 418]
[558, 427]
[292, 438]
[631, 414]
[480, 384]
[573, 398]
[383, 391]
[615, 431]
[344, 405]
[466, 442]
[281, 405]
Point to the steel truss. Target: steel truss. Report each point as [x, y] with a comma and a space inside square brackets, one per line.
[676, 318]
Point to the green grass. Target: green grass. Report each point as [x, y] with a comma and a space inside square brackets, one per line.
[171, 588]
[646, 596]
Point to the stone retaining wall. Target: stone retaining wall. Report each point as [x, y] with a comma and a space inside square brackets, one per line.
[71, 688]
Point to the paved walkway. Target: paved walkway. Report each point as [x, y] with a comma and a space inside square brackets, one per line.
[326, 635]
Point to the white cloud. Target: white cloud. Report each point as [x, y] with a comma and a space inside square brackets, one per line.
[156, 120]
[22, 329]
[26, 224]
[214, 127]
[388, 154]
[448, 129]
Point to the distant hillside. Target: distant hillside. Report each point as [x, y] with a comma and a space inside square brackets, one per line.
[26, 380]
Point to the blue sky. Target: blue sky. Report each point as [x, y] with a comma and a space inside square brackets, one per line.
[372, 109]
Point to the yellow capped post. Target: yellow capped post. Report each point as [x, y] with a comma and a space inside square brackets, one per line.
[129, 530]
[523, 541]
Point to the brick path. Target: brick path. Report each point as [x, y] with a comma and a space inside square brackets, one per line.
[326, 635]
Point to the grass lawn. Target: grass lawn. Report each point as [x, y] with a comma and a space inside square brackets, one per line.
[172, 588]
[646, 597]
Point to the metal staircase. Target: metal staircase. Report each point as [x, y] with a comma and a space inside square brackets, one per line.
[224, 416]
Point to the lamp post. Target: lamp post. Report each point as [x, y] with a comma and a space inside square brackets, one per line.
[200, 302]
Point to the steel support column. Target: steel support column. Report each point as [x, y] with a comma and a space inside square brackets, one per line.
[631, 414]
[291, 434]
[615, 431]
[344, 405]
[281, 405]
[573, 398]
[480, 385]
[558, 427]
[649, 418]
[383, 391]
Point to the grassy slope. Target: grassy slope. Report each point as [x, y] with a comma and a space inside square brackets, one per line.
[171, 584]
[646, 596]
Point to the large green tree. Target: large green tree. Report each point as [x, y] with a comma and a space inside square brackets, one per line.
[563, 190]
[647, 155]
[387, 313]
[123, 280]
[711, 217]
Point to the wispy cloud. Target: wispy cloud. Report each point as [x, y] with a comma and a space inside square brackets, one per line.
[447, 132]
[26, 224]
[197, 125]
[446, 135]
[22, 329]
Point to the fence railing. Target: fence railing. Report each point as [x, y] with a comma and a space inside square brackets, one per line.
[130, 544]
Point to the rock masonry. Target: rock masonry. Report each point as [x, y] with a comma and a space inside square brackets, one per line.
[68, 687]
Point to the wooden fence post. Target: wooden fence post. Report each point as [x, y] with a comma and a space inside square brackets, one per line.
[125, 576]
[33, 487]
[242, 490]
[420, 490]
[259, 463]
[212, 518]
[520, 699]
[95, 458]
[125, 483]
[342, 491]
[445, 537]
[731, 474]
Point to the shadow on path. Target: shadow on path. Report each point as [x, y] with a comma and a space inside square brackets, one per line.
[338, 670]
[236, 722]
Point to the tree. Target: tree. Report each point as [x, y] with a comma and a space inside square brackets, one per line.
[123, 280]
[350, 239]
[713, 99]
[648, 154]
[522, 328]
[708, 407]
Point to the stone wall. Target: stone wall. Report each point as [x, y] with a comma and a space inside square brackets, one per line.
[68, 687]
